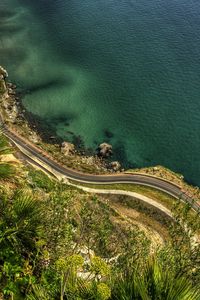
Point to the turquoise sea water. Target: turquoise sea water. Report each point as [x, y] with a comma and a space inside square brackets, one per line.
[122, 71]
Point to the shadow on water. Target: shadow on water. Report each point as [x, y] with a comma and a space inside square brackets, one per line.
[63, 35]
[46, 128]
[137, 48]
[11, 52]
[120, 154]
[6, 14]
[48, 85]
[108, 134]
[9, 28]
[18, 52]
[14, 54]
[47, 131]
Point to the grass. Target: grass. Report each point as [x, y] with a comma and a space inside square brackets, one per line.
[146, 214]
[5, 148]
[157, 170]
[41, 180]
[6, 171]
[158, 196]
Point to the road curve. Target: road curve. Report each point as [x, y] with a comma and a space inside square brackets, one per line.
[141, 179]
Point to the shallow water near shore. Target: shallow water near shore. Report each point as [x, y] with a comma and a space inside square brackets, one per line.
[126, 72]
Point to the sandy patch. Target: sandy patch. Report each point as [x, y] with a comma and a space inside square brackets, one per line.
[10, 158]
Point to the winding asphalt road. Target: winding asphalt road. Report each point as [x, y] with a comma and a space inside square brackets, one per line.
[141, 179]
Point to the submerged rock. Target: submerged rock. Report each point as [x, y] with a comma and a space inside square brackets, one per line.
[67, 148]
[105, 150]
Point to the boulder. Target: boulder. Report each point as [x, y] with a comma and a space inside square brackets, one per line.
[3, 72]
[105, 150]
[67, 148]
[14, 113]
[115, 165]
[3, 89]
[34, 137]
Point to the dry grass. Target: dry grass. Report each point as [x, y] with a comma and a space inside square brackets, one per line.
[159, 196]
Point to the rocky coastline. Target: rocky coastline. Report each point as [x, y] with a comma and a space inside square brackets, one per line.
[16, 117]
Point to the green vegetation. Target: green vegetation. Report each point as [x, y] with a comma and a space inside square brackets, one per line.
[153, 282]
[159, 196]
[57, 242]
[4, 145]
[6, 169]
[38, 179]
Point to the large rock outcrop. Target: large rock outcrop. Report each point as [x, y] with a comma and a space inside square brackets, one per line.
[3, 88]
[67, 148]
[105, 150]
[3, 73]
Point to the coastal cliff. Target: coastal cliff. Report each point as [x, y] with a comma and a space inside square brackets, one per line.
[58, 242]
[16, 116]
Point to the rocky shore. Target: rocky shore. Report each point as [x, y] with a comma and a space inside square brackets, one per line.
[17, 118]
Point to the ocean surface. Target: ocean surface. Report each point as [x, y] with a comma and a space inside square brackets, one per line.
[122, 71]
